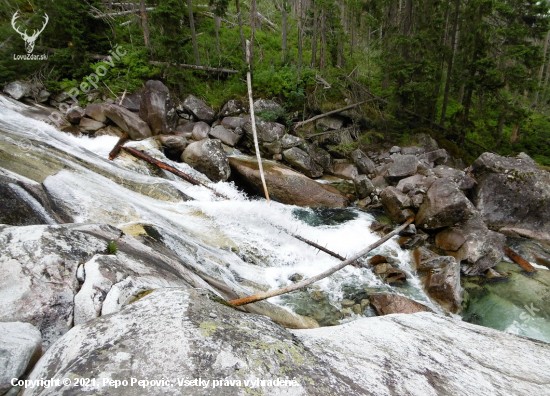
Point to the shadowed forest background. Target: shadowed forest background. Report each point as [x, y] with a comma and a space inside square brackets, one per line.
[472, 73]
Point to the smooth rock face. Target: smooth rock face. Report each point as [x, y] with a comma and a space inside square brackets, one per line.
[38, 269]
[18, 89]
[396, 204]
[436, 156]
[364, 163]
[430, 355]
[513, 193]
[303, 162]
[175, 333]
[231, 138]
[125, 119]
[286, 185]
[199, 109]
[207, 156]
[321, 157]
[157, 108]
[444, 206]
[96, 111]
[20, 348]
[386, 304]
[74, 114]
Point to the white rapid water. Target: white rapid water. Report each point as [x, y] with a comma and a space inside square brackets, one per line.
[239, 241]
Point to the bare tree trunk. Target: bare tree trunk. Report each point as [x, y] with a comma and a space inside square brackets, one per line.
[240, 21]
[450, 65]
[322, 53]
[193, 33]
[284, 32]
[250, 48]
[217, 25]
[315, 34]
[300, 42]
[541, 70]
[144, 24]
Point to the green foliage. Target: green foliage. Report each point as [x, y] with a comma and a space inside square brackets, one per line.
[285, 83]
[112, 247]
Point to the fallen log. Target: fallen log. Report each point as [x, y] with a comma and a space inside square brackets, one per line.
[519, 260]
[324, 249]
[114, 152]
[171, 169]
[299, 124]
[330, 271]
[99, 15]
[195, 67]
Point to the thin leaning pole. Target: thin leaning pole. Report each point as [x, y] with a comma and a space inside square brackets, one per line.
[253, 120]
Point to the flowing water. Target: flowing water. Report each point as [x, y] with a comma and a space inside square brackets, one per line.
[244, 242]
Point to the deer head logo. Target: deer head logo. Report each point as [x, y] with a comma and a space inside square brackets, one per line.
[29, 40]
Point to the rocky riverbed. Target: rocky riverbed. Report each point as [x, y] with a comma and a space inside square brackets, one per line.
[119, 269]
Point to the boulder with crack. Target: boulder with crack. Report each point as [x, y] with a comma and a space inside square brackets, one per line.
[207, 156]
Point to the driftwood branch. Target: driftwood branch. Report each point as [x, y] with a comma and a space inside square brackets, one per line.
[195, 67]
[171, 169]
[307, 282]
[114, 152]
[299, 124]
[519, 260]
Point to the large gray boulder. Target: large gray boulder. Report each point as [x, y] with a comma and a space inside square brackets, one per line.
[320, 156]
[157, 108]
[266, 105]
[396, 204]
[402, 166]
[170, 334]
[268, 131]
[132, 102]
[285, 185]
[473, 244]
[513, 195]
[444, 206]
[18, 89]
[427, 354]
[440, 277]
[364, 163]
[207, 156]
[464, 181]
[363, 186]
[227, 136]
[20, 349]
[326, 123]
[199, 109]
[200, 130]
[234, 122]
[232, 108]
[38, 274]
[87, 125]
[173, 144]
[129, 122]
[301, 160]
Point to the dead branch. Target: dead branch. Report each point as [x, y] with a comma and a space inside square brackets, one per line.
[299, 124]
[97, 14]
[267, 21]
[114, 152]
[307, 282]
[519, 260]
[171, 169]
[194, 67]
[211, 15]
